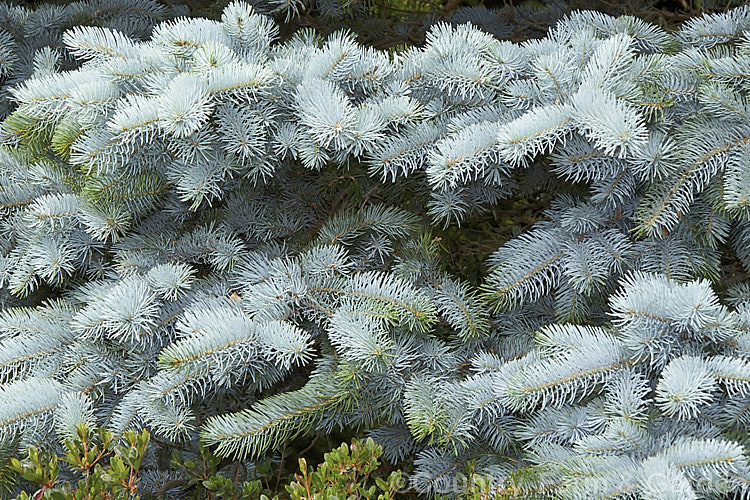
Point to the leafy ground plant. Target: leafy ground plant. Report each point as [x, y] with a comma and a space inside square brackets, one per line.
[107, 470]
[351, 472]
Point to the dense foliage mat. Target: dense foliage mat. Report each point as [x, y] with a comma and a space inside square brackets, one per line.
[235, 240]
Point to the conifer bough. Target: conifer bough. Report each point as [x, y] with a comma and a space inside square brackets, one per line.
[219, 236]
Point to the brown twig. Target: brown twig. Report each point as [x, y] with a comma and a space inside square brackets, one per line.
[281, 467]
[174, 483]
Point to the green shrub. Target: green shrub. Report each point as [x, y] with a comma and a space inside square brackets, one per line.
[346, 472]
[108, 470]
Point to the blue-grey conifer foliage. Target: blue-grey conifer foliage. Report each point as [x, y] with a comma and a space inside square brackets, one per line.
[31, 39]
[173, 211]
